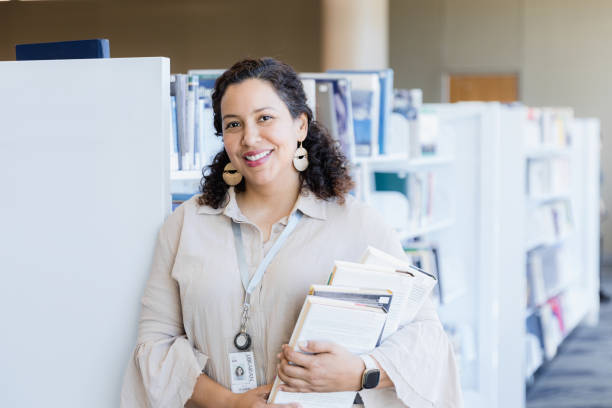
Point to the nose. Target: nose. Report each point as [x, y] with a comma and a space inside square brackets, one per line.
[251, 135]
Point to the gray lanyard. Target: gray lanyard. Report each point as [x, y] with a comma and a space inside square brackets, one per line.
[242, 341]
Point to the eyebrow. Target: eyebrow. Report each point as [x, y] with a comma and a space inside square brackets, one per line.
[231, 115]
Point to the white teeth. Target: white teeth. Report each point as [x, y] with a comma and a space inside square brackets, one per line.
[258, 156]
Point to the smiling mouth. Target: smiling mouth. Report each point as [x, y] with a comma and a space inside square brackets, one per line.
[258, 156]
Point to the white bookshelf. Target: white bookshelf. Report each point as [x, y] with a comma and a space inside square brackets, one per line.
[464, 233]
[575, 249]
[84, 165]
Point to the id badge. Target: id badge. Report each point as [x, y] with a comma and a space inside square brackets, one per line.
[242, 370]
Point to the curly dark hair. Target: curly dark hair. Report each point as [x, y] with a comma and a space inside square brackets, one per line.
[327, 175]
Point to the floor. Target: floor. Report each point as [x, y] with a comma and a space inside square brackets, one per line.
[580, 376]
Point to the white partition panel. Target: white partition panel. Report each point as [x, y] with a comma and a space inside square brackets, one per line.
[84, 177]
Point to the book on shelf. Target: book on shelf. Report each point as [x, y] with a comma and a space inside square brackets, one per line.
[365, 101]
[404, 132]
[549, 223]
[548, 176]
[548, 128]
[194, 134]
[551, 330]
[352, 325]
[334, 108]
[534, 343]
[174, 151]
[419, 189]
[423, 125]
[385, 80]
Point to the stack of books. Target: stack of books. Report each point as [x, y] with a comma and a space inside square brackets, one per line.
[362, 304]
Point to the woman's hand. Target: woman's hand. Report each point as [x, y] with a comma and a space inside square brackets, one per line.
[256, 398]
[329, 368]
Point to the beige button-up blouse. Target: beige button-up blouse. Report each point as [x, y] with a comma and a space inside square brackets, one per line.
[192, 302]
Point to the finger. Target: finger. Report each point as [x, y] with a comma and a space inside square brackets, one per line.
[317, 346]
[293, 371]
[264, 391]
[290, 405]
[296, 357]
[295, 385]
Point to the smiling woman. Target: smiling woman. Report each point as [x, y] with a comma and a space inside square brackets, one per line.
[232, 268]
[278, 119]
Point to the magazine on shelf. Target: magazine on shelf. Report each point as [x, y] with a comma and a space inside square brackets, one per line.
[352, 325]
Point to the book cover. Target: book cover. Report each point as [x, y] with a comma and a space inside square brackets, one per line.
[369, 297]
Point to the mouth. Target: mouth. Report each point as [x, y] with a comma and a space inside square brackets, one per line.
[257, 157]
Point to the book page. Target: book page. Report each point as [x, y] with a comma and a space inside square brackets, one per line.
[400, 285]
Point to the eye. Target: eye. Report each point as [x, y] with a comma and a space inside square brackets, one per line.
[265, 118]
[231, 125]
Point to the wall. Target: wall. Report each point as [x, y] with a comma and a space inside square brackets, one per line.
[559, 48]
[194, 34]
[568, 61]
[416, 30]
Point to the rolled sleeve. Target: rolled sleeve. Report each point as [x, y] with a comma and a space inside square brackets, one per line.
[165, 365]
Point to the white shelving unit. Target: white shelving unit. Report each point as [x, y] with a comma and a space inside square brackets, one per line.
[466, 235]
[84, 169]
[579, 244]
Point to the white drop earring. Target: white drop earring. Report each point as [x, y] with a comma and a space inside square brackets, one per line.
[300, 158]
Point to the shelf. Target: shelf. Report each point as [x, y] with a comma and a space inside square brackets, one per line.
[546, 198]
[551, 294]
[410, 233]
[186, 175]
[545, 152]
[403, 162]
[547, 243]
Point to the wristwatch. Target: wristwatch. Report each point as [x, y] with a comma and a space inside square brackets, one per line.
[371, 374]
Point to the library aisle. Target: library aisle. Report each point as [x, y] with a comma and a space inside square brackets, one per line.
[580, 375]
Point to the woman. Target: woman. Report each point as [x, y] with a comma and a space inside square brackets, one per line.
[276, 196]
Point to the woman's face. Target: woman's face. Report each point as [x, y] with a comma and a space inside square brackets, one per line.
[259, 134]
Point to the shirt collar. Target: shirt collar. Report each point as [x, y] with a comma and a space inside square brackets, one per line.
[307, 203]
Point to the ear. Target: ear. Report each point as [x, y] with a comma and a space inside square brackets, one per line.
[303, 127]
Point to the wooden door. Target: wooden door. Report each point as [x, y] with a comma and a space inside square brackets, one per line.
[495, 87]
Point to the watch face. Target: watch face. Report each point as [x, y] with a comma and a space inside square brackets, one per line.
[371, 379]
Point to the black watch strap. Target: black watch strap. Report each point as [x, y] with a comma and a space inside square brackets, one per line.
[371, 374]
